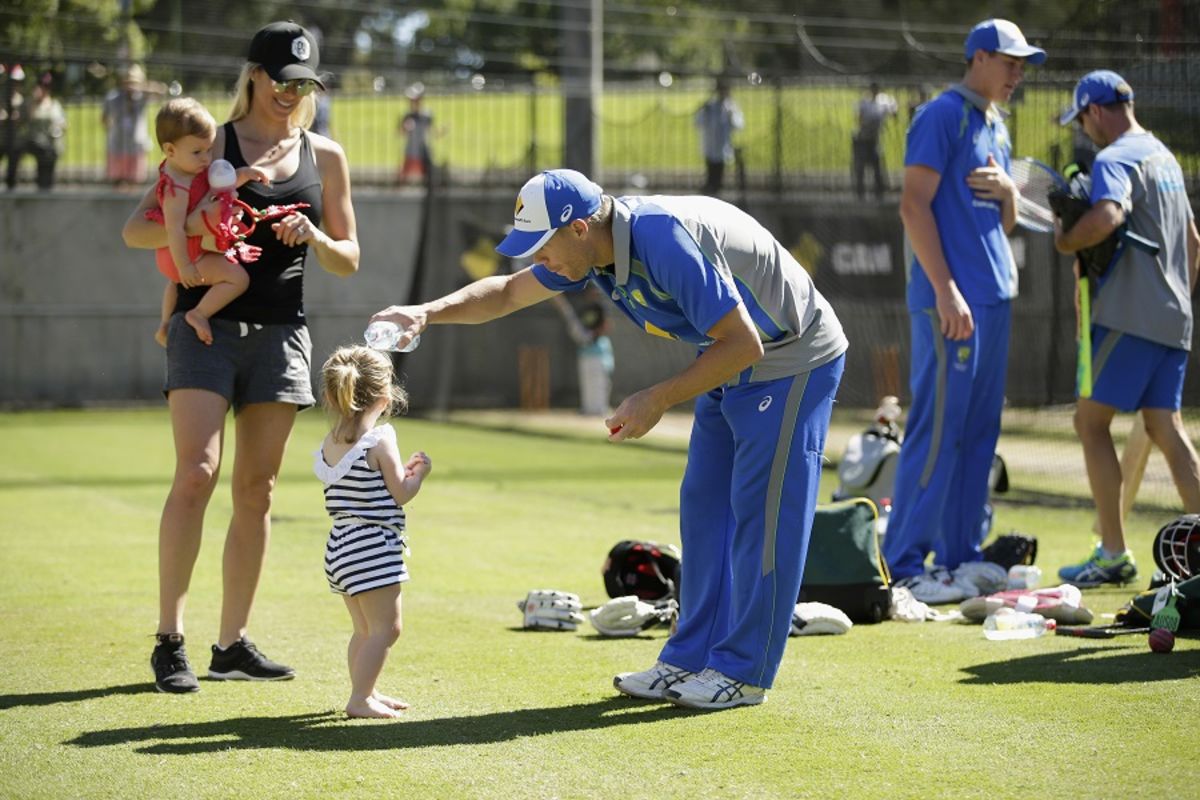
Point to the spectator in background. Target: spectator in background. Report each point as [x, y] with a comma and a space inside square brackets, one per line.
[124, 118]
[417, 127]
[717, 119]
[874, 109]
[921, 99]
[588, 327]
[11, 104]
[320, 123]
[39, 134]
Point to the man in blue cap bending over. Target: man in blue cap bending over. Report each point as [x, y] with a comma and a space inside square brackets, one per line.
[771, 355]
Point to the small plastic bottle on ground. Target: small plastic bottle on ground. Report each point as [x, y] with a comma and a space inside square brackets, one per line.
[383, 335]
[1008, 624]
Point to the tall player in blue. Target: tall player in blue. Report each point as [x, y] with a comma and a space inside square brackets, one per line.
[957, 204]
[771, 355]
[1142, 313]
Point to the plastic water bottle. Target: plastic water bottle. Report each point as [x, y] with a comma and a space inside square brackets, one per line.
[1024, 576]
[1008, 624]
[383, 335]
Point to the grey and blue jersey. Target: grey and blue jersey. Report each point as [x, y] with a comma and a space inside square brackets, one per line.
[1142, 294]
[683, 263]
[749, 491]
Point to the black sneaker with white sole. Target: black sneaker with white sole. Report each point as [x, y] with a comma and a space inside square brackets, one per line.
[172, 672]
[241, 661]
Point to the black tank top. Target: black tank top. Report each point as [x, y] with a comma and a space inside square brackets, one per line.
[276, 291]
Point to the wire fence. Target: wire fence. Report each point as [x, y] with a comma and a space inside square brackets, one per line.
[797, 134]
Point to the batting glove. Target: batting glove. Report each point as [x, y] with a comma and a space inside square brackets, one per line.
[551, 610]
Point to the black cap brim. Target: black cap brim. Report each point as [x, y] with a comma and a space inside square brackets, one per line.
[293, 72]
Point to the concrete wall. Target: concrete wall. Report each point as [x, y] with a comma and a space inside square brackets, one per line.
[78, 310]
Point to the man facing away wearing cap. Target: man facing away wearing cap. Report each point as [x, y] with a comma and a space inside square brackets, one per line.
[1141, 315]
[771, 355]
[958, 205]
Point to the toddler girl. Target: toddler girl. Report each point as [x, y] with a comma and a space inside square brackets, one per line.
[366, 485]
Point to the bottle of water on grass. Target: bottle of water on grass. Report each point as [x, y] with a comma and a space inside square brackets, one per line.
[1008, 623]
[383, 335]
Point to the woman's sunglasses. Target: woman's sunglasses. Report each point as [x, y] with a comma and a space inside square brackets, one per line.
[300, 86]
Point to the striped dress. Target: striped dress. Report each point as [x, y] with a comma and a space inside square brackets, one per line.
[366, 544]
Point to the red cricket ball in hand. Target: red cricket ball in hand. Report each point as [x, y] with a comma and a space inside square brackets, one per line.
[1162, 640]
[615, 429]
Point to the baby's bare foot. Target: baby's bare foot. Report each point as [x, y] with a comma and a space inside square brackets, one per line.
[390, 702]
[199, 325]
[370, 709]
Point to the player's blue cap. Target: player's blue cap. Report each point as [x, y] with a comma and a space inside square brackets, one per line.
[1101, 87]
[546, 203]
[1001, 36]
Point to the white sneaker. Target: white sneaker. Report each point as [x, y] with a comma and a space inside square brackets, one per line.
[714, 690]
[935, 588]
[980, 578]
[651, 683]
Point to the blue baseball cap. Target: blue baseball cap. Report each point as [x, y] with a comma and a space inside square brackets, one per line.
[1001, 36]
[1101, 87]
[546, 203]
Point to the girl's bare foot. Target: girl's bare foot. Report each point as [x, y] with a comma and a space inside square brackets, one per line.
[160, 335]
[199, 325]
[370, 709]
[391, 702]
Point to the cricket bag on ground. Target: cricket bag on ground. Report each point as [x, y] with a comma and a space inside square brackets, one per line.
[845, 568]
[1139, 611]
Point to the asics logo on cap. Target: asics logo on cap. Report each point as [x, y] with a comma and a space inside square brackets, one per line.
[568, 209]
[300, 48]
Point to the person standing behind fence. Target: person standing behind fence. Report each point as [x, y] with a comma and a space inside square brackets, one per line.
[416, 126]
[588, 328]
[259, 361]
[39, 134]
[717, 119]
[958, 204]
[873, 111]
[127, 136]
[1142, 314]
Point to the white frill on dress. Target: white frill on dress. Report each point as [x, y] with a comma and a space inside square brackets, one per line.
[330, 475]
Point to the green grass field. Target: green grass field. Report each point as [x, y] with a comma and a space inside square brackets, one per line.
[639, 129]
[896, 710]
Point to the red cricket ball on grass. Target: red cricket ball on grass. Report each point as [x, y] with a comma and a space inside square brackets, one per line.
[1162, 640]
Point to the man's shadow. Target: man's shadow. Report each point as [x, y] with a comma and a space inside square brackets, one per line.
[330, 731]
[1131, 664]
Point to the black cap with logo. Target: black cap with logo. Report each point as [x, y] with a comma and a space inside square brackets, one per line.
[287, 52]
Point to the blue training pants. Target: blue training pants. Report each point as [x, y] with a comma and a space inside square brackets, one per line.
[746, 512]
[949, 441]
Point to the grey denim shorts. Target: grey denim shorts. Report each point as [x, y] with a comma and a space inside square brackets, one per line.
[246, 363]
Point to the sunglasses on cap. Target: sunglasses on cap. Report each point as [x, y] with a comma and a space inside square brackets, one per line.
[300, 86]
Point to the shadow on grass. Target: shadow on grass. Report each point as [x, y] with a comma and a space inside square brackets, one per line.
[51, 698]
[330, 731]
[1100, 664]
